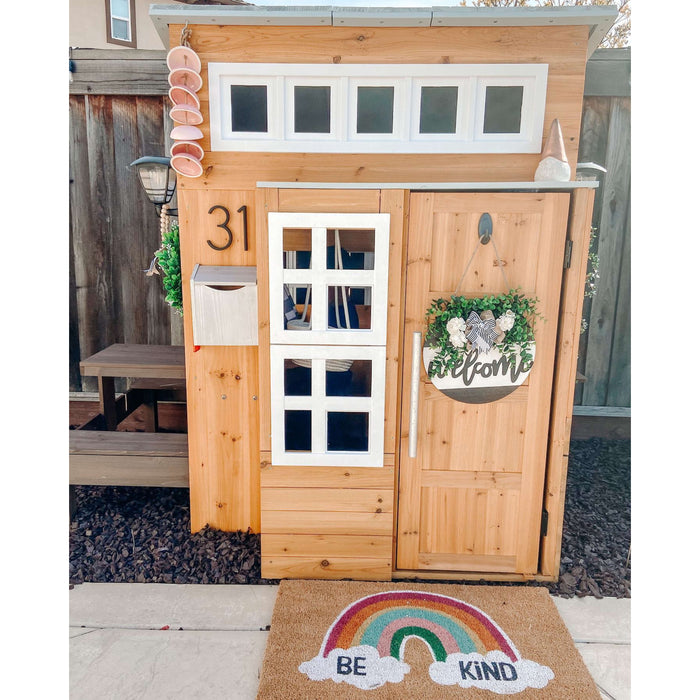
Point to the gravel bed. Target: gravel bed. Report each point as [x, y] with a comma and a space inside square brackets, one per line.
[141, 535]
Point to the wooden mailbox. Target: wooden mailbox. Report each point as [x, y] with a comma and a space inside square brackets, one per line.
[363, 148]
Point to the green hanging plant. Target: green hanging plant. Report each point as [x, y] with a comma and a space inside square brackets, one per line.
[446, 317]
[168, 258]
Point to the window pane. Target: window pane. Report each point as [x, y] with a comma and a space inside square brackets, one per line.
[348, 432]
[503, 109]
[375, 110]
[357, 301]
[312, 109]
[349, 378]
[353, 245]
[296, 244]
[120, 8]
[438, 110]
[249, 107]
[297, 377]
[297, 431]
[120, 30]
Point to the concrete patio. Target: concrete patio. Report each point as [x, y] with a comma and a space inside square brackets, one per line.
[160, 641]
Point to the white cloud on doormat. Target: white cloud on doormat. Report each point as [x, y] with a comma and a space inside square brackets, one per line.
[467, 671]
[365, 670]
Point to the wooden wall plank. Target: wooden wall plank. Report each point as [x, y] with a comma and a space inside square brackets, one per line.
[347, 500]
[324, 477]
[565, 380]
[362, 201]
[320, 545]
[357, 568]
[266, 200]
[222, 381]
[326, 523]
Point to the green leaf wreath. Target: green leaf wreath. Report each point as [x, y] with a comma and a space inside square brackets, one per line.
[168, 257]
[516, 343]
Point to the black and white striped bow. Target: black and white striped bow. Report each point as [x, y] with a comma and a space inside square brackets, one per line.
[482, 334]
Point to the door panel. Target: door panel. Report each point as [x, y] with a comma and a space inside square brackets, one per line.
[471, 499]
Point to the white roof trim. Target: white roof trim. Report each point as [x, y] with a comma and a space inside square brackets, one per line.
[599, 19]
[430, 186]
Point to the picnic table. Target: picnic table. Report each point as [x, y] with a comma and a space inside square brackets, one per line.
[102, 455]
[158, 367]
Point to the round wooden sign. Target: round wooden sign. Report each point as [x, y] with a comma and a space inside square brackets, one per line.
[482, 377]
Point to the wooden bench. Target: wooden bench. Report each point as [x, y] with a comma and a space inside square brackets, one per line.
[111, 458]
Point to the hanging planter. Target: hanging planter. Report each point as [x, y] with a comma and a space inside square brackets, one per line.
[167, 258]
[479, 350]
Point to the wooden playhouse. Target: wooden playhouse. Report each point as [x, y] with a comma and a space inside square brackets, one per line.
[357, 165]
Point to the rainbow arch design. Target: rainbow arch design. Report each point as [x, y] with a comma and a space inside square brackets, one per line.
[387, 620]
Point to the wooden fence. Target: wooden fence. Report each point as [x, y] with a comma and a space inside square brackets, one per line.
[119, 112]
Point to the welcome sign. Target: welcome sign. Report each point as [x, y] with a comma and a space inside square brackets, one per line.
[482, 377]
[364, 647]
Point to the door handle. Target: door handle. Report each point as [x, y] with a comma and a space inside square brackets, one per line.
[415, 391]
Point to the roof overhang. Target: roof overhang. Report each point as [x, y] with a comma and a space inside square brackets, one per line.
[598, 18]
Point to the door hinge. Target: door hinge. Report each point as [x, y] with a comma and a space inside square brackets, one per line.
[544, 523]
[567, 253]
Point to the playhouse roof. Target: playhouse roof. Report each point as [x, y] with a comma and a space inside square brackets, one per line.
[598, 18]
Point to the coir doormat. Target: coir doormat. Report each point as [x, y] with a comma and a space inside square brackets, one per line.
[346, 639]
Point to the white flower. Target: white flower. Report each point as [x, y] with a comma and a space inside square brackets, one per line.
[507, 321]
[455, 325]
[458, 339]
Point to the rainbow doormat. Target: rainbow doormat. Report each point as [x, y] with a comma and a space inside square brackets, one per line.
[341, 639]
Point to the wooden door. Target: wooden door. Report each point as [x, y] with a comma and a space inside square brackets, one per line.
[471, 498]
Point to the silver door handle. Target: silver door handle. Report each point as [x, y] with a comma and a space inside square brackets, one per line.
[415, 391]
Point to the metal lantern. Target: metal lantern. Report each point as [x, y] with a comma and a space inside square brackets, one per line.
[158, 179]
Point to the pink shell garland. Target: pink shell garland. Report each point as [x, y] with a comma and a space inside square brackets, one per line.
[185, 81]
[186, 132]
[186, 115]
[183, 57]
[185, 164]
[180, 95]
[191, 148]
[185, 77]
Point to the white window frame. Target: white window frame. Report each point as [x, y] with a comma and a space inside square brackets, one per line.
[336, 122]
[275, 102]
[529, 106]
[320, 278]
[407, 80]
[320, 405]
[462, 131]
[400, 121]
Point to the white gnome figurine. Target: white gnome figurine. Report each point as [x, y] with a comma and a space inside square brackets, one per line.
[554, 166]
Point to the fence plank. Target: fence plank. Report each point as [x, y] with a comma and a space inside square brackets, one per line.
[610, 250]
[79, 180]
[118, 72]
[595, 121]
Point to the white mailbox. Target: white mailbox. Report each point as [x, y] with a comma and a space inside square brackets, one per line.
[224, 305]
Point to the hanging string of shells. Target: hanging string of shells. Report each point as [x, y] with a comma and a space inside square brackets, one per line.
[185, 82]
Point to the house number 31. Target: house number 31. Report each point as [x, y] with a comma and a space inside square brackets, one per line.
[224, 225]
